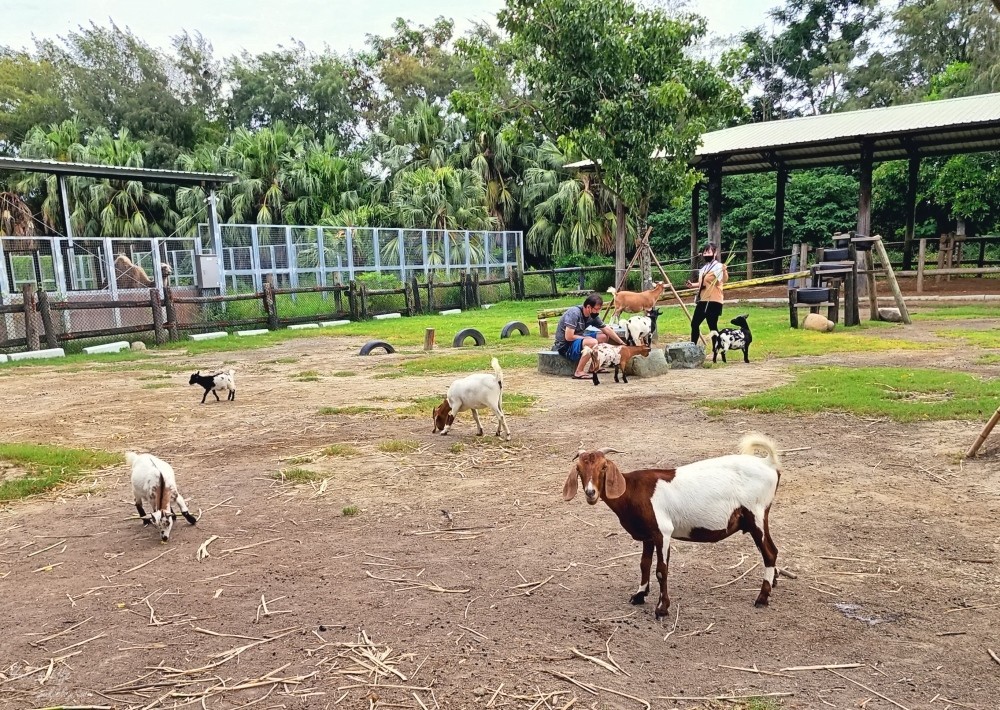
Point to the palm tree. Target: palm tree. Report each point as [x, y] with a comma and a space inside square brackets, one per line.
[60, 141]
[571, 214]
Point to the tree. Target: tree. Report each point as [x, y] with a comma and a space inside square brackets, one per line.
[114, 80]
[617, 82]
[29, 96]
[294, 86]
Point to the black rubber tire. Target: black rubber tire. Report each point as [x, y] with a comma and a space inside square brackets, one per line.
[367, 348]
[514, 325]
[836, 254]
[812, 295]
[466, 333]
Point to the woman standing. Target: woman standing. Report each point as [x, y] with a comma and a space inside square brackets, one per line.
[708, 303]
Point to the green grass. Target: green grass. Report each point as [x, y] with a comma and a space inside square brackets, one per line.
[341, 450]
[356, 409]
[298, 475]
[436, 364]
[157, 385]
[902, 394]
[350, 511]
[307, 376]
[946, 312]
[989, 359]
[457, 448]
[399, 446]
[989, 338]
[48, 467]
[343, 373]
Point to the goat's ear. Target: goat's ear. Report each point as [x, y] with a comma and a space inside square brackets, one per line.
[614, 481]
[571, 485]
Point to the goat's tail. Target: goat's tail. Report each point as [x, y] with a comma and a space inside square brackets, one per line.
[232, 376]
[131, 457]
[612, 290]
[752, 443]
[497, 372]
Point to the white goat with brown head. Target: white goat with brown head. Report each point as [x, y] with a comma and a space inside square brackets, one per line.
[705, 501]
[154, 485]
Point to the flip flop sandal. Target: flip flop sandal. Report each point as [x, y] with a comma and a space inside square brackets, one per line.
[582, 377]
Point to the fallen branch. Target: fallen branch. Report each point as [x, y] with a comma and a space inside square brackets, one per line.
[792, 669]
[721, 697]
[592, 659]
[202, 552]
[870, 690]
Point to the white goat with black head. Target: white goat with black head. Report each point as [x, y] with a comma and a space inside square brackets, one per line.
[220, 381]
[704, 501]
[639, 330]
[154, 486]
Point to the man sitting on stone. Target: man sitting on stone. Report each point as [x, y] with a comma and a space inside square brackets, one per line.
[582, 326]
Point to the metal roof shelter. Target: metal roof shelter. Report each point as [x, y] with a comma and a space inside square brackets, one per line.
[910, 131]
[62, 170]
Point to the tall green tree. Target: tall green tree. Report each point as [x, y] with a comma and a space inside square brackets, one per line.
[618, 82]
[294, 86]
[30, 96]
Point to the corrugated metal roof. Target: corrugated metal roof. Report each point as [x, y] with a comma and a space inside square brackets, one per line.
[948, 127]
[114, 172]
[964, 125]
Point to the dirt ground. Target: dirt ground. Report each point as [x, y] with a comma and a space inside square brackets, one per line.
[893, 542]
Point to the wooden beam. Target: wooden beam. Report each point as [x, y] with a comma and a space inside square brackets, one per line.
[866, 286]
[715, 206]
[695, 214]
[911, 209]
[778, 240]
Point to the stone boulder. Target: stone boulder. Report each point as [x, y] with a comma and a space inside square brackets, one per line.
[137, 346]
[684, 355]
[653, 365]
[890, 314]
[821, 324]
[552, 363]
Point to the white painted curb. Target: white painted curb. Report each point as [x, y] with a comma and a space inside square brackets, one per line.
[209, 336]
[107, 348]
[303, 326]
[333, 323]
[386, 316]
[259, 331]
[38, 354]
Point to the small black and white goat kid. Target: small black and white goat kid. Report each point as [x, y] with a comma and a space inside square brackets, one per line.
[733, 339]
[154, 485]
[639, 330]
[225, 380]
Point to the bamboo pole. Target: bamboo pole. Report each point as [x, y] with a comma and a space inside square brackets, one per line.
[971, 453]
[891, 278]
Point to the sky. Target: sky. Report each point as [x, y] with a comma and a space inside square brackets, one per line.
[261, 25]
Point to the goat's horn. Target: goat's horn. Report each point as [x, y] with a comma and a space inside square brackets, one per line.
[608, 450]
[579, 453]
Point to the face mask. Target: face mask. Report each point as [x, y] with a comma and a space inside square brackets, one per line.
[708, 259]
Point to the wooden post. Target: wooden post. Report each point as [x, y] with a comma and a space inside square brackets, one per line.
[520, 283]
[415, 290]
[942, 245]
[429, 339]
[512, 282]
[695, 206]
[168, 304]
[46, 311]
[852, 314]
[463, 293]
[911, 207]
[803, 261]
[543, 328]
[779, 219]
[793, 312]
[365, 314]
[270, 305]
[476, 297]
[893, 284]
[158, 330]
[833, 312]
[983, 434]
[583, 280]
[619, 241]
[338, 301]
[872, 293]
[982, 256]
[430, 291]
[30, 324]
[749, 255]
[411, 309]
[352, 300]
[715, 205]
[553, 284]
[921, 260]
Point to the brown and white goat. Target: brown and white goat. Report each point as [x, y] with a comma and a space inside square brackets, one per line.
[607, 355]
[636, 301]
[705, 501]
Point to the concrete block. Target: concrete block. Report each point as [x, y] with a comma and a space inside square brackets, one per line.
[386, 316]
[552, 363]
[303, 326]
[654, 365]
[684, 355]
[257, 331]
[209, 336]
[107, 348]
[137, 346]
[3, 358]
[487, 306]
[449, 312]
[38, 354]
[333, 323]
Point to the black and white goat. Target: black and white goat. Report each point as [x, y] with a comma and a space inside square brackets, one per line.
[639, 330]
[705, 501]
[154, 485]
[220, 381]
[733, 339]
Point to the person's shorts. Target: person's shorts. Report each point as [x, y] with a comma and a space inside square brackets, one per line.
[574, 350]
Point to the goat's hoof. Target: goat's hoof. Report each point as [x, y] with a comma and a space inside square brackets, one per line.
[637, 599]
[761, 601]
[660, 613]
